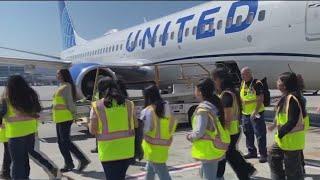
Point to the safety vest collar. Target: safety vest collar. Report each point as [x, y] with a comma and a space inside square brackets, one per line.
[106, 135]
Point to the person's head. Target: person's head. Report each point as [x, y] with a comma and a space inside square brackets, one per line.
[64, 76]
[113, 93]
[288, 82]
[21, 96]
[123, 88]
[246, 74]
[204, 91]
[152, 97]
[222, 79]
[103, 84]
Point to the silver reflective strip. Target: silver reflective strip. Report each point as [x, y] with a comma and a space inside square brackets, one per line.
[115, 135]
[157, 141]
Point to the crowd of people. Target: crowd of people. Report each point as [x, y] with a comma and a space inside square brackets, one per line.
[216, 127]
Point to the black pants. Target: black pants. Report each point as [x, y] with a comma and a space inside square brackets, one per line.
[65, 145]
[291, 160]
[116, 170]
[236, 161]
[38, 157]
[6, 160]
[19, 148]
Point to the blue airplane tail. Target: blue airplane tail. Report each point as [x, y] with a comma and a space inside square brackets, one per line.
[67, 30]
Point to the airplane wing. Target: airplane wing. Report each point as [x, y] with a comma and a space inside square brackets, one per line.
[31, 63]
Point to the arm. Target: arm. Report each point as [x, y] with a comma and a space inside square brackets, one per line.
[259, 92]
[293, 118]
[227, 102]
[200, 128]
[146, 117]
[93, 124]
[67, 95]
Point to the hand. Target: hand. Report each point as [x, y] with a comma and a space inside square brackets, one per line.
[271, 127]
[189, 137]
[253, 116]
[318, 110]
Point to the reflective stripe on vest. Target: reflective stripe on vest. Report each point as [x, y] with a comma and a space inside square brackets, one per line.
[249, 99]
[234, 125]
[106, 135]
[60, 107]
[18, 124]
[157, 141]
[214, 144]
[115, 137]
[295, 139]
[216, 141]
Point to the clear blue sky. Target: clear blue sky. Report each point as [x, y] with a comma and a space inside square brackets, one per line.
[35, 26]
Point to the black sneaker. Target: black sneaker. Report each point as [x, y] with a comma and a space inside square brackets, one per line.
[95, 150]
[54, 172]
[5, 175]
[263, 159]
[83, 164]
[251, 171]
[250, 156]
[67, 168]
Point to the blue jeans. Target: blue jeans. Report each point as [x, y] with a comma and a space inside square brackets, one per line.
[208, 170]
[160, 169]
[258, 128]
[19, 148]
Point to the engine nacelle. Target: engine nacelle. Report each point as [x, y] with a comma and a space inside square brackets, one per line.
[84, 77]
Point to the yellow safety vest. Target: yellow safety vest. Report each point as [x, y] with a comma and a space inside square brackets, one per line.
[156, 143]
[234, 126]
[3, 137]
[60, 112]
[115, 131]
[214, 144]
[249, 99]
[295, 139]
[18, 124]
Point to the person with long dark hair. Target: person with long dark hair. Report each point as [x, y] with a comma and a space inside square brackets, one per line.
[63, 113]
[111, 121]
[209, 138]
[20, 123]
[159, 126]
[232, 113]
[285, 155]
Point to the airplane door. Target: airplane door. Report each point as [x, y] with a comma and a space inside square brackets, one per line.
[313, 20]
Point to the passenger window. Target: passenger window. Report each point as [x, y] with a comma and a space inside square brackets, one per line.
[109, 48]
[262, 15]
[194, 30]
[112, 48]
[117, 47]
[186, 33]
[239, 20]
[160, 38]
[172, 35]
[249, 19]
[229, 22]
[219, 26]
[121, 47]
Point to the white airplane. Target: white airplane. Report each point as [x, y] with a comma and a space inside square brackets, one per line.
[271, 37]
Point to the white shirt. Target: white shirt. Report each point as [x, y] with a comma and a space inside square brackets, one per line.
[146, 116]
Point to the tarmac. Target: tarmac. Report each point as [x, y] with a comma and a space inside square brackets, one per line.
[180, 163]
